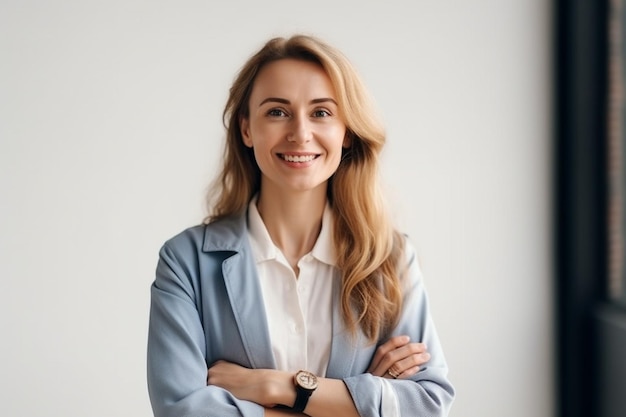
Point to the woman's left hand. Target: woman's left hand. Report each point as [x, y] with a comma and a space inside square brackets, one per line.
[262, 386]
[398, 358]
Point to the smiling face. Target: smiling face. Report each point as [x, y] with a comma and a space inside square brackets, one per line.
[294, 127]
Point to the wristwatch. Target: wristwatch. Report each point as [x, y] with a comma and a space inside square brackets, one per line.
[306, 383]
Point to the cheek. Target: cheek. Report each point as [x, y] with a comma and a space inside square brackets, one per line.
[268, 134]
[335, 146]
[338, 138]
[260, 155]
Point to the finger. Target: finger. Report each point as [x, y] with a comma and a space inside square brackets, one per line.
[392, 372]
[400, 370]
[403, 365]
[387, 354]
[414, 360]
[412, 351]
[218, 370]
[409, 372]
[385, 348]
[390, 345]
[408, 366]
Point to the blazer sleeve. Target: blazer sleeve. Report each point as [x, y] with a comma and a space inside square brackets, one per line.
[177, 368]
[428, 393]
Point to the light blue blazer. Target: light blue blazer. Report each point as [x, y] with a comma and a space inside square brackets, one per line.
[207, 305]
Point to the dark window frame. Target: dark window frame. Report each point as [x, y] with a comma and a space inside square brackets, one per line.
[616, 153]
[590, 322]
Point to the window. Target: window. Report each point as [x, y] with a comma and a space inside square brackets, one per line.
[616, 148]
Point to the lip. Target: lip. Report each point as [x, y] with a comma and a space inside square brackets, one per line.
[298, 153]
[306, 158]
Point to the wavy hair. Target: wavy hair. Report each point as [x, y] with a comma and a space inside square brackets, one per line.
[368, 247]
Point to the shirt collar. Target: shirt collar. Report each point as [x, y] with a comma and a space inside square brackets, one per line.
[262, 246]
[264, 249]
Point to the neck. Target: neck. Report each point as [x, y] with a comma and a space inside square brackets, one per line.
[293, 221]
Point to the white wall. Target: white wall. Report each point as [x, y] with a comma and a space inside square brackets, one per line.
[110, 131]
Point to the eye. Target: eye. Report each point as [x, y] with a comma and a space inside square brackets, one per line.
[276, 113]
[321, 113]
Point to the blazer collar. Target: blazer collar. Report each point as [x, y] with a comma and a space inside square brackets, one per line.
[242, 286]
[228, 234]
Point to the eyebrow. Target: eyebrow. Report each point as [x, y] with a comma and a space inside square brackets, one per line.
[285, 101]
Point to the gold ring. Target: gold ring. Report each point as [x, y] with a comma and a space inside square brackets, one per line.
[394, 374]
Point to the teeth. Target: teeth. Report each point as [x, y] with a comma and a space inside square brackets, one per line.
[294, 158]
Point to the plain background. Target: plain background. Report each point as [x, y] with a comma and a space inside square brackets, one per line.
[110, 131]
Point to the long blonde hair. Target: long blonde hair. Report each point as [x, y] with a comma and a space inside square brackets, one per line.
[368, 247]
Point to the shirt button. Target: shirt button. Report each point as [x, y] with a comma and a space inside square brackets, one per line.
[294, 327]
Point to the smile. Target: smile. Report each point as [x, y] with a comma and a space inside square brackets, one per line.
[297, 158]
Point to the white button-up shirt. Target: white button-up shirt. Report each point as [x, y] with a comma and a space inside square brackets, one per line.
[299, 309]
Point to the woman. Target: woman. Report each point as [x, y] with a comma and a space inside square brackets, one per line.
[297, 296]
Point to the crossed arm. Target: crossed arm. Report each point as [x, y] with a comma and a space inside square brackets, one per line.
[180, 383]
[268, 387]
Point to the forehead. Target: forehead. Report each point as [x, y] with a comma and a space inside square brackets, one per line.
[291, 77]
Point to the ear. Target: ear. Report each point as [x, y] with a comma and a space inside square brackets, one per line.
[347, 139]
[244, 127]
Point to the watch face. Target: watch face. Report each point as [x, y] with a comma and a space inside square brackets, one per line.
[306, 380]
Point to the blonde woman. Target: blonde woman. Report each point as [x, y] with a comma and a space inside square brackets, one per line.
[297, 296]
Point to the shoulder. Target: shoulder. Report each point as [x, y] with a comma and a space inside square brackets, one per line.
[410, 269]
[406, 249]
[191, 237]
[226, 234]
[197, 251]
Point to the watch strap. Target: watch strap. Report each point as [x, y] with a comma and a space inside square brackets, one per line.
[302, 399]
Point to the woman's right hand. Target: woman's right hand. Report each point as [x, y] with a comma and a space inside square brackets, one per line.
[398, 358]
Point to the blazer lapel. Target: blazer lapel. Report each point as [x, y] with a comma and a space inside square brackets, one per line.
[344, 346]
[243, 288]
[245, 296]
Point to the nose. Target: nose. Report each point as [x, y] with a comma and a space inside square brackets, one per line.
[300, 131]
